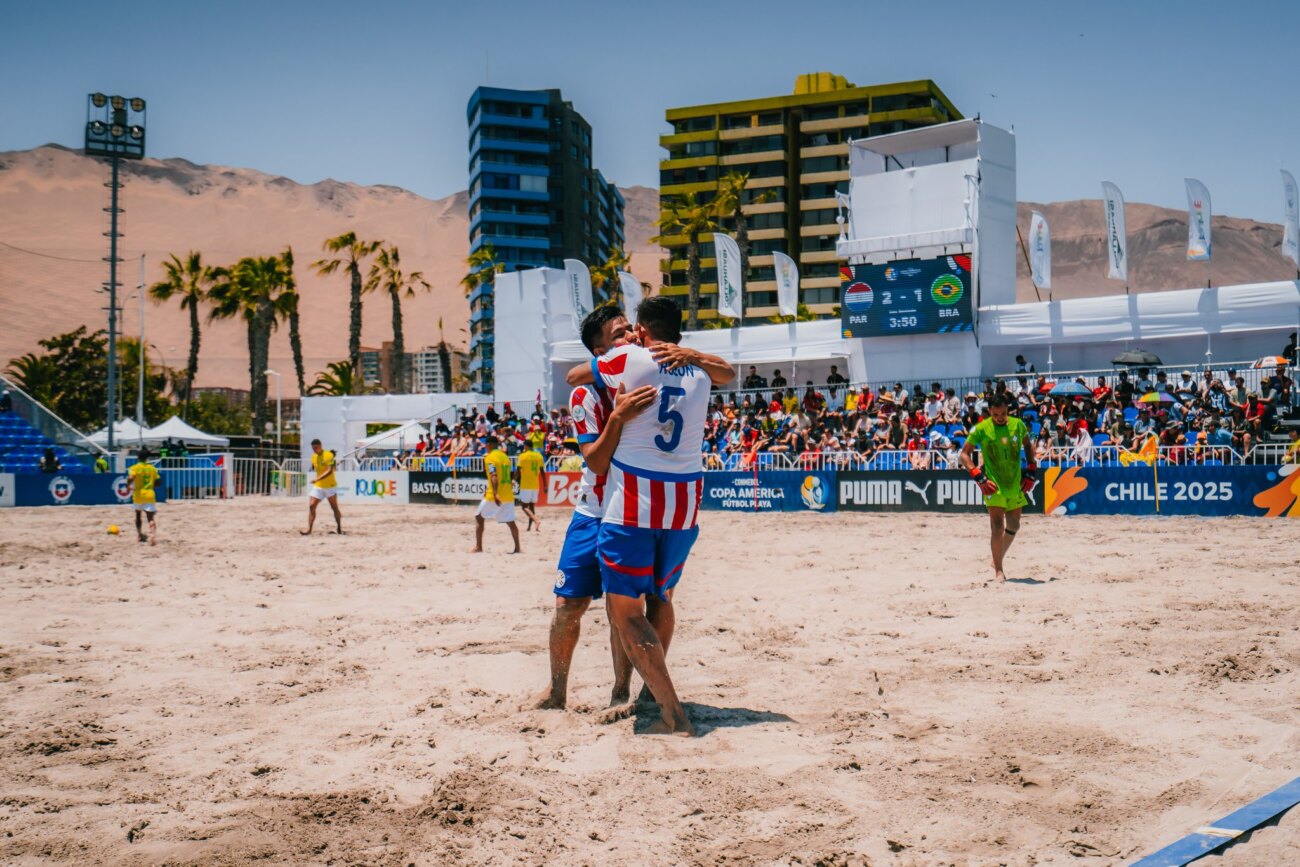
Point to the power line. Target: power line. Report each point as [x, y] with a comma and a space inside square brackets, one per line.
[46, 255]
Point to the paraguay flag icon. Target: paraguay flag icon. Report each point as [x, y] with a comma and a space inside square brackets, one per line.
[858, 297]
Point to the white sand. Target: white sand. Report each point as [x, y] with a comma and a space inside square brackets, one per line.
[240, 693]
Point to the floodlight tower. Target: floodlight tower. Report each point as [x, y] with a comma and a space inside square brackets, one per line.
[114, 129]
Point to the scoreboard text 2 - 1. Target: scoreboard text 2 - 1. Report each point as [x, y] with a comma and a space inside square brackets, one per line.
[910, 296]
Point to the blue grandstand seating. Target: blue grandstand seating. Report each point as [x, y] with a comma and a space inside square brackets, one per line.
[22, 446]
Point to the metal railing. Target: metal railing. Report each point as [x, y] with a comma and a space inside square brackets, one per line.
[761, 397]
[1252, 376]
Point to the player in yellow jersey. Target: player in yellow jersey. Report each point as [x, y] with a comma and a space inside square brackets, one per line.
[499, 499]
[531, 475]
[140, 481]
[323, 487]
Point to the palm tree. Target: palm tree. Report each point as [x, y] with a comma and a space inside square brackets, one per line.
[730, 202]
[250, 289]
[386, 276]
[38, 375]
[687, 215]
[288, 302]
[483, 266]
[336, 380]
[188, 280]
[605, 276]
[354, 251]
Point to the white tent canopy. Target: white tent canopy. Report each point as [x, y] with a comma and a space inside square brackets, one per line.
[125, 433]
[404, 436]
[1146, 317]
[176, 428]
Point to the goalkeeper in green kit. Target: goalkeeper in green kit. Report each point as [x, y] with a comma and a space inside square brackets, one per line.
[1000, 439]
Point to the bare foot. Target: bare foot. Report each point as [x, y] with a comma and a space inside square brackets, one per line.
[1001, 576]
[338, 533]
[304, 532]
[143, 538]
[615, 712]
[546, 700]
[682, 729]
[153, 540]
[476, 550]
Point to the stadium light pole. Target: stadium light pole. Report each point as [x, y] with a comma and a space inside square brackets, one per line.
[114, 129]
[279, 439]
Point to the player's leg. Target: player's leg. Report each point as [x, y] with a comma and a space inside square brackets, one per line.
[663, 618]
[478, 535]
[514, 534]
[997, 528]
[153, 526]
[139, 526]
[566, 628]
[338, 516]
[621, 692]
[1009, 531]
[311, 514]
[628, 567]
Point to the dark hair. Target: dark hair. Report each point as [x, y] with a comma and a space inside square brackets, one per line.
[661, 317]
[998, 399]
[491, 439]
[142, 455]
[315, 442]
[594, 325]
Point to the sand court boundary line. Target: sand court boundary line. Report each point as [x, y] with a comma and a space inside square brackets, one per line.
[1206, 839]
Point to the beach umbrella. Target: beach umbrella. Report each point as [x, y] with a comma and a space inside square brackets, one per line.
[1137, 358]
[1157, 397]
[1070, 388]
[1269, 362]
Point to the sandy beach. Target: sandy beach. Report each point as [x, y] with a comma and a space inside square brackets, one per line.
[240, 694]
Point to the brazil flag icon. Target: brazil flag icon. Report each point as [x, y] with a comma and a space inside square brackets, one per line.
[947, 289]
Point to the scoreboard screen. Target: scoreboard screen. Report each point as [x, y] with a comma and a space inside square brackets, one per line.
[910, 296]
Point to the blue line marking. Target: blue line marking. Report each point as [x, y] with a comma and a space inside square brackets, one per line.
[1225, 830]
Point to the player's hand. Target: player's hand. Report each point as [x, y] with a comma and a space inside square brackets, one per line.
[673, 356]
[1027, 483]
[987, 485]
[630, 404]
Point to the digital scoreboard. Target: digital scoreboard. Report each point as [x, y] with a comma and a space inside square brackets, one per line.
[909, 296]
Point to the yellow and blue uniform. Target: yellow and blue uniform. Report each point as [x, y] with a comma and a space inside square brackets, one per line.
[143, 477]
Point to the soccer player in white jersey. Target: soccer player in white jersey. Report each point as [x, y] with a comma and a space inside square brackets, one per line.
[598, 422]
[653, 493]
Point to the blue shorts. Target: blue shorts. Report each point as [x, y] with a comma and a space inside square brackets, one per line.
[579, 567]
[636, 562]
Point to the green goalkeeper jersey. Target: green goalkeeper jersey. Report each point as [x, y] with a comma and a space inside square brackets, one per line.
[1001, 446]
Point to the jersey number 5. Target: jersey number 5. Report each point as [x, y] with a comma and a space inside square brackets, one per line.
[669, 416]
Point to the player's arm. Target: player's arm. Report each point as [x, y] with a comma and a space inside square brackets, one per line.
[674, 356]
[580, 375]
[1030, 475]
[987, 485]
[492, 484]
[627, 406]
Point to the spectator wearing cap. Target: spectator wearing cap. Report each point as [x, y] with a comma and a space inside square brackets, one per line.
[1185, 388]
[1144, 424]
[778, 381]
[1289, 351]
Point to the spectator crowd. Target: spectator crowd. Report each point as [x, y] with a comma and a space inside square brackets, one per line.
[1194, 419]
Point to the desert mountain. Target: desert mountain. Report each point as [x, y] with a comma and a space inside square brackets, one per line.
[1245, 251]
[52, 244]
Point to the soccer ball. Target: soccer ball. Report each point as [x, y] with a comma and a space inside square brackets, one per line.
[813, 493]
[113, 529]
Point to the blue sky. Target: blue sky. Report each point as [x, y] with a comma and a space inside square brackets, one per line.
[1142, 93]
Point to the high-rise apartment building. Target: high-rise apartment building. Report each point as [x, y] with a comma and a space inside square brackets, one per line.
[436, 369]
[795, 150]
[533, 196]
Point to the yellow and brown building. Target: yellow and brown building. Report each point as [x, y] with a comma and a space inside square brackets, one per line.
[795, 149]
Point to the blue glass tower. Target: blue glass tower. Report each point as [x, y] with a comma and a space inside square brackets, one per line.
[533, 196]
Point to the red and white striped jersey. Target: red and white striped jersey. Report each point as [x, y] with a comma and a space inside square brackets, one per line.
[589, 408]
[655, 478]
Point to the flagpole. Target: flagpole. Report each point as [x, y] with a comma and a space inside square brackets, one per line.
[1025, 250]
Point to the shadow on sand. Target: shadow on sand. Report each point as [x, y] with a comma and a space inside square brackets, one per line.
[1027, 581]
[706, 717]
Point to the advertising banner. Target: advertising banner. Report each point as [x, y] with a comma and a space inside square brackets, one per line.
[6, 489]
[1290, 218]
[632, 294]
[731, 284]
[391, 488]
[1040, 251]
[578, 279]
[558, 489]
[787, 283]
[1198, 221]
[1260, 491]
[1116, 233]
[71, 489]
[913, 491]
[770, 491]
